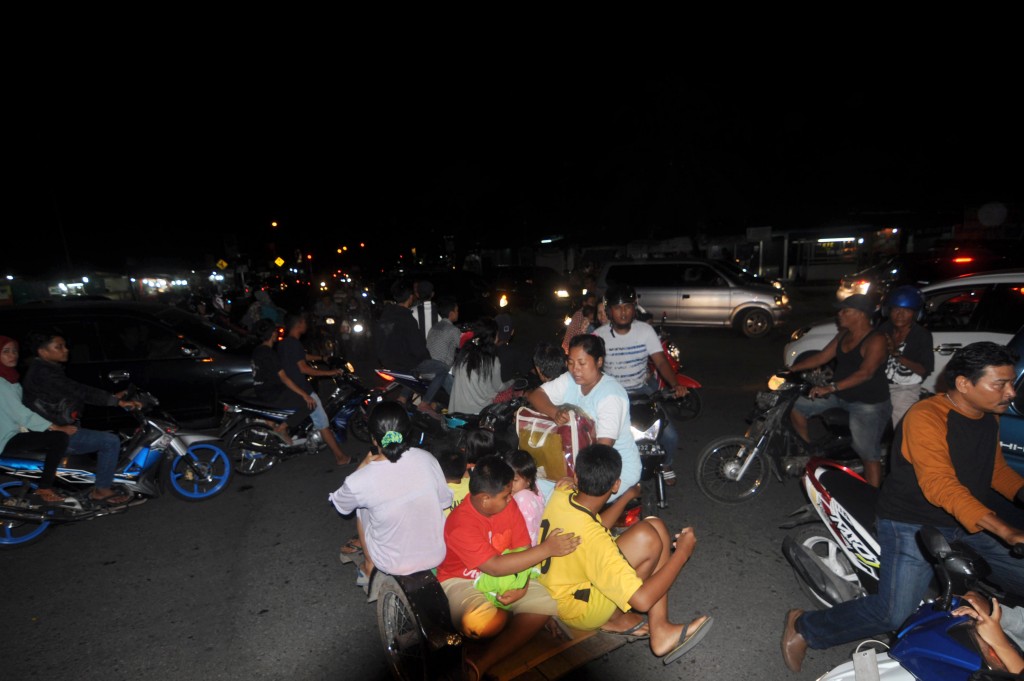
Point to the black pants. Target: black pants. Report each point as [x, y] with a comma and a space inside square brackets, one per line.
[53, 443]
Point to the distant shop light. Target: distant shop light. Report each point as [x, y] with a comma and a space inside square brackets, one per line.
[836, 239]
[10, 277]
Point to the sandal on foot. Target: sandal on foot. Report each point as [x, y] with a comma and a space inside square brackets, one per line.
[350, 551]
[688, 639]
[114, 499]
[669, 476]
[631, 633]
[46, 497]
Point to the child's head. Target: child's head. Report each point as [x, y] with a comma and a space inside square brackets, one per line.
[452, 460]
[478, 443]
[597, 470]
[549, 360]
[490, 485]
[588, 312]
[525, 469]
[390, 428]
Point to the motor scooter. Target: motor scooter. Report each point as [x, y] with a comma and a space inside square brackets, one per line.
[158, 455]
[248, 423]
[734, 469]
[933, 644]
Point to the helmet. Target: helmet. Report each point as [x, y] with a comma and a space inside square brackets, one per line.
[905, 296]
[620, 294]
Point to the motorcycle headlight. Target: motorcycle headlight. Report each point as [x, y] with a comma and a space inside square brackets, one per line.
[329, 320]
[503, 301]
[357, 328]
[649, 434]
[561, 293]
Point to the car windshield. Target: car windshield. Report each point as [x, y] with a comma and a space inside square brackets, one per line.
[737, 273]
[195, 327]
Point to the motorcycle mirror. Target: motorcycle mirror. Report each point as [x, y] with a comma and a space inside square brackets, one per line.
[935, 543]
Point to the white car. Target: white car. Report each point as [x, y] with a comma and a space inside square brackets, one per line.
[958, 311]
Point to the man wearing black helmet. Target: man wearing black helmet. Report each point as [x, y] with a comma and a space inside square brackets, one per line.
[858, 387]
[631, 346]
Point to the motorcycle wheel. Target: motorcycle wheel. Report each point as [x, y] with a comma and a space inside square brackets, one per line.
[405, 643]
[819, 542]
[718, 465]
[16, 532]
[686, 408]
[359, 426]
[204, 471]
[254, 448]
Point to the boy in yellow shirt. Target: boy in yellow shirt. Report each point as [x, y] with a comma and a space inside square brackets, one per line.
[607, 579]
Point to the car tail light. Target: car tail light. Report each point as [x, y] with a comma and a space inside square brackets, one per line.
[963, 260]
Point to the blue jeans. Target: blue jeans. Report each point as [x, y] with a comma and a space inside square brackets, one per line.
[669, 436]
[867, 421]
[319, 416]
[903, 581]
[107, 447]
[442, 378]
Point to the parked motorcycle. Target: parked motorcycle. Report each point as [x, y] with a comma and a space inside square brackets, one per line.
[157, 456]
[734, 469]
[834, 554]
[254, 445]
[934, 644]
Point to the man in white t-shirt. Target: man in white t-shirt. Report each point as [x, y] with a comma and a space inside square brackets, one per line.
[630, 346]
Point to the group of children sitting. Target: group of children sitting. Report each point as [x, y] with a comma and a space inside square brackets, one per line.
[510, 553]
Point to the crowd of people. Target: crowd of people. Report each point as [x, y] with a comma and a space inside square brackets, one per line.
[512, 551]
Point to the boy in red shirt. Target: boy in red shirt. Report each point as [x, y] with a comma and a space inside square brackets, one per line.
[487, 534]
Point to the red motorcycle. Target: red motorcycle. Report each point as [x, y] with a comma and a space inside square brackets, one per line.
[682, 408]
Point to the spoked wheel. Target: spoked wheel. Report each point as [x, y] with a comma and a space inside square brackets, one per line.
[202, 472]
[255, 448]
[688, 407]
[826, 551]
[18, 531]
[718, 470]
[418, 639]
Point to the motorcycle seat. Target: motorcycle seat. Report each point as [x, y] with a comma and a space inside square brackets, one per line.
[248, 398]
[858, 498]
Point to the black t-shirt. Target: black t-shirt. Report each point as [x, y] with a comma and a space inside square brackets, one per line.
[265, 367]
[290, 352]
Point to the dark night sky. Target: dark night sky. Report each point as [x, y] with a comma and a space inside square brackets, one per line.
[437, 151]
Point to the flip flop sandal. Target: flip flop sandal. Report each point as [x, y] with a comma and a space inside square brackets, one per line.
[116, 499]
[687, 642]
[630, 634]
[354, 552]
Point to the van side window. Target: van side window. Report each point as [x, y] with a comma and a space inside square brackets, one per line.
[701, 275]
[645, 276]
[1001, 310]
[953, 310]
[134, 339]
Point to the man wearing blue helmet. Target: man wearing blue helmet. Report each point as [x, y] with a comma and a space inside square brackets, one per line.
[910, 358]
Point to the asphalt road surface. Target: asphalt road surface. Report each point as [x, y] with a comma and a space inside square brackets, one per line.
[248, 585]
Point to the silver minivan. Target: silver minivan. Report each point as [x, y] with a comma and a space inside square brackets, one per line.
[695, 292]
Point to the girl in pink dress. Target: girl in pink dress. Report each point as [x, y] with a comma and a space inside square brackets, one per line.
[524, 490]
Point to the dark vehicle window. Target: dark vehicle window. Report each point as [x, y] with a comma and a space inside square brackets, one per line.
[644, 275]
[953, 310]
[1002, 309]
[194, 327]
[126, 338]
[81, 337]
[702, 275]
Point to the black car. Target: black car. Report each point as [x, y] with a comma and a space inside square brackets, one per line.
[183, 360]
[530, 288]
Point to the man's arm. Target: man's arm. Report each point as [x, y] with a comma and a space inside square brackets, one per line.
[290, 384]
[665, 371]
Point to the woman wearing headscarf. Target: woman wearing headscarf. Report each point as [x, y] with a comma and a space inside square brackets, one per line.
[23, 432]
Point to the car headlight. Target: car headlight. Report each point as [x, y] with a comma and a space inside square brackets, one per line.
[782, 300]
[561, 293]
[799, 333]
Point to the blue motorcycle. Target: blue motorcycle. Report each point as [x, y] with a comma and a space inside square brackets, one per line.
[933, 643]
[157, 456]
